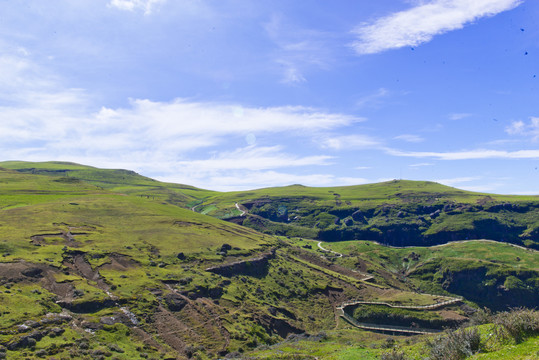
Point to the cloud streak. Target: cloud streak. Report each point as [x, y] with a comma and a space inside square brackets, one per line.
[468, 155]
[530, 129]
[420, 24]
[147, 6]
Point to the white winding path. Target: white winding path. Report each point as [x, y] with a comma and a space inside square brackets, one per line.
[242, 211]
[327, 250]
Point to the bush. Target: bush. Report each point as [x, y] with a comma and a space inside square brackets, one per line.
[455, 345]
[517, 324]
[393, 355]
[481, 317]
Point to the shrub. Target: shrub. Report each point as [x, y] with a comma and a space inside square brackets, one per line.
[517, 324]
[393, 355]
[481, 317]
[455, 345]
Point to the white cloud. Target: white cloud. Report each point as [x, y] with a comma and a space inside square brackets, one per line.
[409, 138]
[41, 120]
[421, 23]
[468, 155]
[253, 158]
[374, 99]
[291, 74]
[459, 116]
[241, 180]
[421, 165]
[482, 188]
[457, 180]
[147, 6]
[349, 142]
[521, 128]
[297, 50]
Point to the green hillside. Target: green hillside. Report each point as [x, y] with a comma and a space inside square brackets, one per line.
[98, 264]
[398, 213]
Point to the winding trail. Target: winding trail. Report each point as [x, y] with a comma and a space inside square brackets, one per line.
[326, 250]
[459, 242]
[243, 212]
[393, 328]
[390, 328]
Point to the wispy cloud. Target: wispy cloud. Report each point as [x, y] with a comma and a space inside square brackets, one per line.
[298, 50]
[242, 180]
[254, 158]
[468, 155]
[472, 183]
[347, 142]
[420, 165]
[42, 121]
[459, 116]
[421, 23]
[374, 99]
[457, 180]
[520, 127]
[410, 138]
[146, 6]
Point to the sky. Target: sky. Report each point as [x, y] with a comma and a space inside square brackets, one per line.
[240, 94]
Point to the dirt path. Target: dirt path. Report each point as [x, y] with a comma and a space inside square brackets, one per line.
[392, 328]
[460, 242]
[243, 212]
[326, 250]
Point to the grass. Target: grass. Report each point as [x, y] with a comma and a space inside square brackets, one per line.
[148, 246]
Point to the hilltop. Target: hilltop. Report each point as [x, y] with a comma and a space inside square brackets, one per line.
[102, 263]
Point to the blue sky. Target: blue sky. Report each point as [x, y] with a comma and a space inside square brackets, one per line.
[237, 94]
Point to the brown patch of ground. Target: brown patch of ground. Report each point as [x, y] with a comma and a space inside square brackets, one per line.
[119, 262]
[66, 237]
[198, 322]
[45, 275]
[452, 315]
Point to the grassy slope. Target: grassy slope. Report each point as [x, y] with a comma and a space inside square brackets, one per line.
[351, 345]
[145, 236]
[116, 180]
[395, 212]
[150, 232]
[106, 226]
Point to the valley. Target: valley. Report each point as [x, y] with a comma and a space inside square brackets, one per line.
[98, 264]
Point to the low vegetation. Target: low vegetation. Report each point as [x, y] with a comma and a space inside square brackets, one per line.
[98, 264]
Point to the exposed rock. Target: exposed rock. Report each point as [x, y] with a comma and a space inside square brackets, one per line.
[25, 341]
[175, 302]
[52, 318]
[108, 320]
[91, 325]
[33, 272]
[56, 331]
[255, 266]
[87, 306]
[278, 326]
[359, 217]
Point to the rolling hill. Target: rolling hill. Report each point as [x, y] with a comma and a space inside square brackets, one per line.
[98, 263]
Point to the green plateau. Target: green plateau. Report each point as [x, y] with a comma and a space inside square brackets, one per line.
[109, 264]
